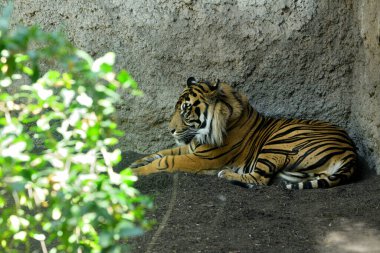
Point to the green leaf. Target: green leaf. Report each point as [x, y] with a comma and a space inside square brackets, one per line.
[105, 239]
[27, 71]
[93, 133]
[53, 75]
[123, 76]
[108, 110]
[21, 58]
[106, 68]
[84, 100]
[21, 236]
[7, 81]
[130, 83]
[43, 123]
[42, 92]
[14, 223]
[108, 58]
[85, 56]
[137, 93]
[128, 229]
[5, 96]
[111, 141]
[38, 237]
[56, 214]
[2, 202]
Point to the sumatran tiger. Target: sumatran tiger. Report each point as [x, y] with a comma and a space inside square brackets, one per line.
[218, 130]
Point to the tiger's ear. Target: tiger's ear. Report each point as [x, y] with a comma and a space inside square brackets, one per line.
[215, 90]
[216, 85]
[191, 81]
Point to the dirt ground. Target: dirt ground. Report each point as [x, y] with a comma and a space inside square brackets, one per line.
[197, 213]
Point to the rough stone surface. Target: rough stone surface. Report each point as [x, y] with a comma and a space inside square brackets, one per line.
[365, 118]
[301, 58]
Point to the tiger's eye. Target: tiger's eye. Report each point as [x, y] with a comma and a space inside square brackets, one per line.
[186, 106]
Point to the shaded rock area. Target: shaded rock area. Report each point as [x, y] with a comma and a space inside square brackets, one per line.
[365, 116]
[197, 213]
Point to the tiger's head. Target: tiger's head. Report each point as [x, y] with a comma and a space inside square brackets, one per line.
[203, 112]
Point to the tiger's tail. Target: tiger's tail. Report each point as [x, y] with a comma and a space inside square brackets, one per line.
[300, 180]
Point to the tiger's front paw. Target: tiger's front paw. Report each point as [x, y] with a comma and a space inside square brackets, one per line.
[146, 169]
[138, 171]
[144, 161]
[222, 173]
[138, 163]
[227, 174]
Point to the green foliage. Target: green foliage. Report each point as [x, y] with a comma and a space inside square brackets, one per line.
[57, 185]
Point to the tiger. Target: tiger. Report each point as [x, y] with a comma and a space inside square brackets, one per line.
[218, 131]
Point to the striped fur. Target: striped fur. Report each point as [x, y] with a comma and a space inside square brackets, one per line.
[218, 129]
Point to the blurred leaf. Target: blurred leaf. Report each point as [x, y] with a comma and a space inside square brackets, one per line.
[6, 82]
[56, 153]
[85, 56]
[4, 96]
[56, 213]
[106, 68]
[53, 75]
[21, 58]
[110, 141]
[43, 123]
[21, 236]
[2, 202]
[14, 223]
[107, 59]
[27, 71]
[105, 239]
[131, 84]
[137, 93]
[84, 100]
[123, 76]
[39, 237]
[127, 229]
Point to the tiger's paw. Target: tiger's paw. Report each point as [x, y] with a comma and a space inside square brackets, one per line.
[144, 161]
[138, 171]
[227, 174]
[139, 163]
[221, 173]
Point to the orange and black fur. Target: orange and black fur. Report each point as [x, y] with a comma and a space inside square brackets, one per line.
[218, 130]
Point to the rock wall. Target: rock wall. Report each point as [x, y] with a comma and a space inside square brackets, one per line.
[365, 118]
[293, 58]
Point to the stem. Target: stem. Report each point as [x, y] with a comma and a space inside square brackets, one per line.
[43, 246]
[16, 199]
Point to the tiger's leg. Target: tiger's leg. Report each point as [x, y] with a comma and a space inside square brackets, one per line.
[183, 163]
[343, 172]
[262, 172]
[150, 158]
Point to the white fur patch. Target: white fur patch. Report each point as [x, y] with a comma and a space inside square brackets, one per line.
[213, 133]
[294, 177]
[334, 168]
[179, 143]
[203, 133]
